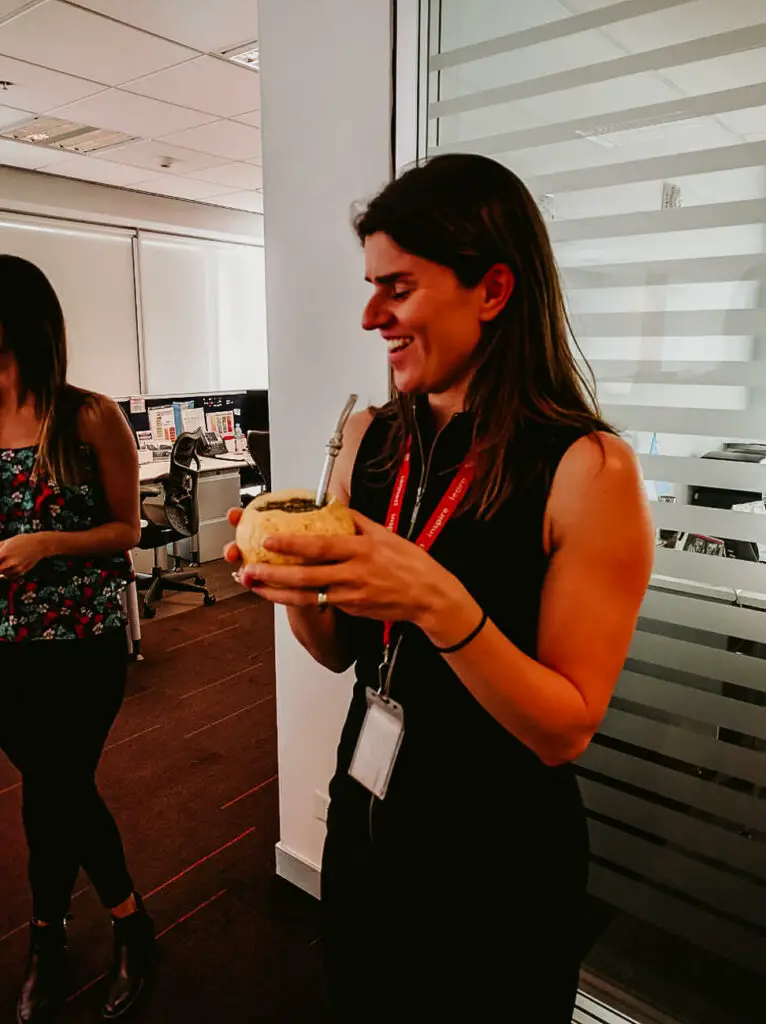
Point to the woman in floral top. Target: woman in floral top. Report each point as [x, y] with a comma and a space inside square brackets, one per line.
[69, 512]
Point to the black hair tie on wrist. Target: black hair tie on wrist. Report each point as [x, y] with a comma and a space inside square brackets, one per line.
[469, 639]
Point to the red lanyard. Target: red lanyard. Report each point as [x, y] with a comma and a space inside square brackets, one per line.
[441, 515]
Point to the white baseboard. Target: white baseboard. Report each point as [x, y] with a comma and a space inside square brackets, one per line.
[298, 871]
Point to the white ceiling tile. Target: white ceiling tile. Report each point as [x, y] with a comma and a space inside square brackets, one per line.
[39, 89]
[32, 158]
[134, 115]
[77, 42]
[8, 7]
[105, 173]
[209, 84]
[250, 201]
[243, 176]
[181, 188]
[150, 154]
[252, 118]
[11, 115]
[207, 26]
[226, 139]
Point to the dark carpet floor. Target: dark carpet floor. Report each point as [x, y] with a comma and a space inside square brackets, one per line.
[190, 775]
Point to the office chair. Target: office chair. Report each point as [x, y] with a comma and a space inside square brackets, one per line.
[258, 479]
[170, 508]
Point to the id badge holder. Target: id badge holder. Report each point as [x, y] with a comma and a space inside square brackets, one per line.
[378, 745]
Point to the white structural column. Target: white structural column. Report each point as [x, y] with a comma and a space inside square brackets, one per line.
[326, 106]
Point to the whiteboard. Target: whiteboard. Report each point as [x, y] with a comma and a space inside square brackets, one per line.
[203, 314]
[91, 270]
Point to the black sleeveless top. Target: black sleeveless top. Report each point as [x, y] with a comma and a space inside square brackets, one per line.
[453, 749]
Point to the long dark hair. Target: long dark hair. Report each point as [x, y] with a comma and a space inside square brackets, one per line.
[33, 332]
[469, 213]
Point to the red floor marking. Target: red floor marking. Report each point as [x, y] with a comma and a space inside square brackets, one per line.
[253, 790]
[135, 736]
[216, 682]
[197, 863]
[191, 913]
[85, 988]
[220, 721]
[197, 639]
[185, 917]
[14, 931]
[21, 927]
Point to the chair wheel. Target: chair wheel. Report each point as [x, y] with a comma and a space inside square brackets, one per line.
[209, 599]
[200, 581]
[148, 612]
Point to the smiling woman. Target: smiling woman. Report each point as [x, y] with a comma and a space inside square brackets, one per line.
[488, 600]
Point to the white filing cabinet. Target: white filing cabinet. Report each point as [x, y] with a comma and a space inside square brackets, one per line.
[218, 491]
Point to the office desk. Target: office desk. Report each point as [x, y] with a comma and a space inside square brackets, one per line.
[219, 486]
[149, 471]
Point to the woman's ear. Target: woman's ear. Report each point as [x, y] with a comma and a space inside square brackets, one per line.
[498, 284]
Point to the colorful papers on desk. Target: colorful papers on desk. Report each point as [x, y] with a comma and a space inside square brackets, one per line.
[162, 423]
[221, 423]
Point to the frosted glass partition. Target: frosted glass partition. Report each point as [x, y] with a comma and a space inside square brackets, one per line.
[640, 127]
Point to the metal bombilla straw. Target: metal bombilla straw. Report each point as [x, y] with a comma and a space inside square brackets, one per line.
[334, 446]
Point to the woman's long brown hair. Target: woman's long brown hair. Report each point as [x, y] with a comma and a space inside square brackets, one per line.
[470, 213]
[33, 332]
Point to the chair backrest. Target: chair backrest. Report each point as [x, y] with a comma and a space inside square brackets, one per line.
[260, 452]
[181, 486]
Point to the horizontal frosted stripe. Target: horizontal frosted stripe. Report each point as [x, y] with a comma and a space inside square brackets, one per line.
[677, 55]
[713, 570]
[699, 705]
[657, 272]
[660, 168]
[699, 660]
[591, 1011]
[679, 918]
[679, 323]
[717, 889]
[735, 425]
[744, 476]
[695, 749]
[710, 616]
[631, 371]
[682, 109]
[561, 28]
[682, 373]
[681, 218]
[680, 829]
[738, 808]
[711, 522]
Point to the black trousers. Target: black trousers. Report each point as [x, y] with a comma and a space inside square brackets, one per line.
[58, 700]
[443, 917]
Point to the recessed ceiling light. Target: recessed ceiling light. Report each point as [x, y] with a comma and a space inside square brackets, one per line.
[56, 133]
[248, 55]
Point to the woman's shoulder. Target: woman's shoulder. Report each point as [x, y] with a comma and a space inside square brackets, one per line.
[95, 413]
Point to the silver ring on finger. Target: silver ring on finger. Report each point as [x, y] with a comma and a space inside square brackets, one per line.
[322, 600]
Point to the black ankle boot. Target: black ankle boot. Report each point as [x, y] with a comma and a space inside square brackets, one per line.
[133, 959]
[42, 987]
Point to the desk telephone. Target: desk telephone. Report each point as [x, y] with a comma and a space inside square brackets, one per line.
[212, 443]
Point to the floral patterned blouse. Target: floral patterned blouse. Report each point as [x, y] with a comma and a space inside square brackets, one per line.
[61, 598]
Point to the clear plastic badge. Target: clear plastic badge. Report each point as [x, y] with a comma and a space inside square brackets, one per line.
[378, 745]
